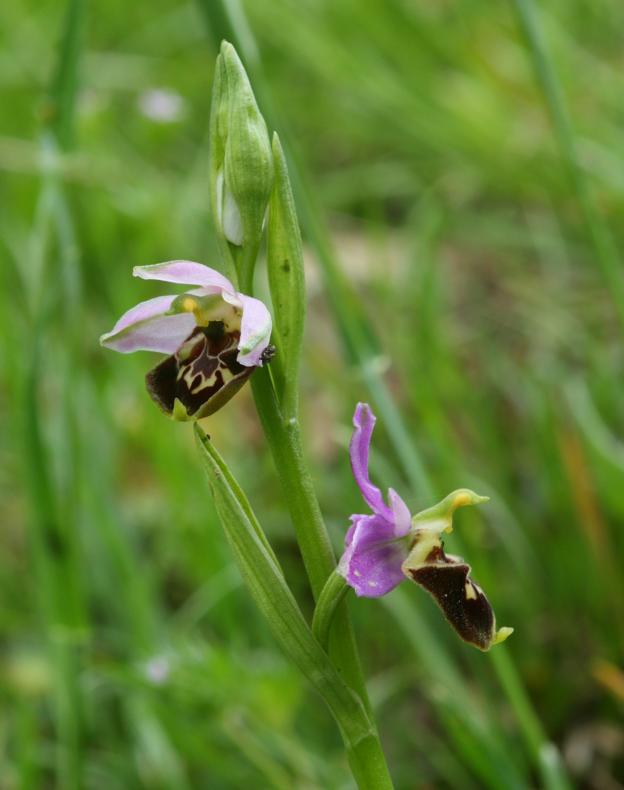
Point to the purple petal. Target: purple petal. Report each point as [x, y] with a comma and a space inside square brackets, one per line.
[401, 516]
[255, 330]
[364, 422]
[145, 327]
[371, 563]
[184, 273]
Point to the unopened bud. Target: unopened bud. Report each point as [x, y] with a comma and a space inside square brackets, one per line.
[244, 172]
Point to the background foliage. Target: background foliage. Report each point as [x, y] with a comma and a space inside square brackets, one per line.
[472, 238]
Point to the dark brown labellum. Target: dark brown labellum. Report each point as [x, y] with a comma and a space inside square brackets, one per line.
[463, 602]
[447, 578]
[201, 376]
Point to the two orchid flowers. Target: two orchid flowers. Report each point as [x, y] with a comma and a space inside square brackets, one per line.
[214, 338]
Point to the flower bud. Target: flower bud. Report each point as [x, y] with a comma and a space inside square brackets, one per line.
[242, 163]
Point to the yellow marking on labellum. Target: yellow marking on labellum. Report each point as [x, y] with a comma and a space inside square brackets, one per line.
[424, 541]
[471, 593]
[189, 376]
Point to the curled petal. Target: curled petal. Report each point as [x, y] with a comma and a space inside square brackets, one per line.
[185, 273]
[146, 327]
[255, 331]
[364, 422]
[401, 516]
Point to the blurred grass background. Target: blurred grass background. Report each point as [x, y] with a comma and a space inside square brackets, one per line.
[463, 277]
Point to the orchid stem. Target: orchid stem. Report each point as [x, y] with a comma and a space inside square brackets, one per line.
[367, 760]
[316, 550]
[366, 757]
[284, 439]
[331, 596]
[275, 600]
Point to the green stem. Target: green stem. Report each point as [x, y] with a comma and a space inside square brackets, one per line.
[285, 444]
[332, 595]
[318, 557]
[366, 758]
[368, 765]
[284, 439]
[597, 230]
[275, 600]
[244, 262]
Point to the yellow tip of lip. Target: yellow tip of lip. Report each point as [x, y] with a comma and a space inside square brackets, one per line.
[503, 633]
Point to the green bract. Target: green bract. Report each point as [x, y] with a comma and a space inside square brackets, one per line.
[286, 281]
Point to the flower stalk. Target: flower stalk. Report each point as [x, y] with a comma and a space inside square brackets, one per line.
[331, 596]
[272, 595]
[276, 394]
[284, 440]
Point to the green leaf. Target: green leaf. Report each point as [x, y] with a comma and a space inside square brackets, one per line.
[267, 585]
[286, 281]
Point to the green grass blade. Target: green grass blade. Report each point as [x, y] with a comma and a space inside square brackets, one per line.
[597, 229]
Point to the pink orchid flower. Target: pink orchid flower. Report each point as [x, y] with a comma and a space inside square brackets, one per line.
[389, 545]
[213, 335]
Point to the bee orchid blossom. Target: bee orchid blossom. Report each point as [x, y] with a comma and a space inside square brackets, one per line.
[213, 335]
[385, 547]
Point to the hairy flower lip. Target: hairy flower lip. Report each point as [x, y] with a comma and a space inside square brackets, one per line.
[200, 377]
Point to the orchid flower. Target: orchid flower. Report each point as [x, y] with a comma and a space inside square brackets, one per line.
[213, 335]
[385, 547]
